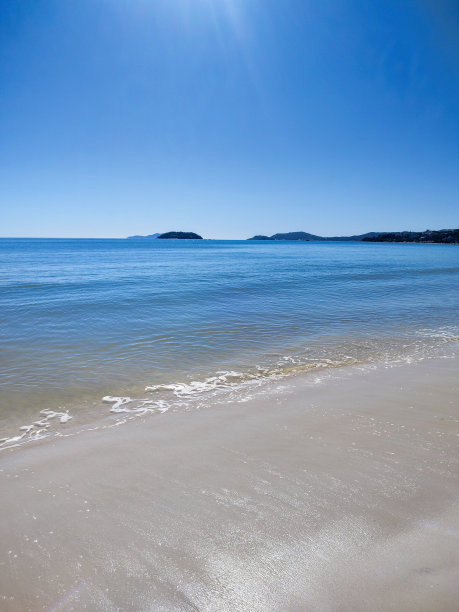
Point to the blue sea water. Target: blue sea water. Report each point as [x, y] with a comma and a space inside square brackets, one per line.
[85, 319]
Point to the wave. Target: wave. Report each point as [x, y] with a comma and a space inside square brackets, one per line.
[37, 429]
[192, 393]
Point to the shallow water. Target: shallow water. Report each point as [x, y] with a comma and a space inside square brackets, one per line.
[83, 320]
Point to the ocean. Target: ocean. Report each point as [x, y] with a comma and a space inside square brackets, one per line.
[97, 331]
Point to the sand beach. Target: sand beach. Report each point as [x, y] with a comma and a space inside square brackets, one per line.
[338, 494]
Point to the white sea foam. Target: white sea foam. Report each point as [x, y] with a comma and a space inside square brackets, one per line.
[220, 379]
[36, 430]
[117, 402]
[229, 379]
[120, 405]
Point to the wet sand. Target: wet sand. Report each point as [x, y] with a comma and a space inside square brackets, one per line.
[342, 495]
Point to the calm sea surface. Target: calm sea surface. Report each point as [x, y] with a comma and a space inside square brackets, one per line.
[86, 319]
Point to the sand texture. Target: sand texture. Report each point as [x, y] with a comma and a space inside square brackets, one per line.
[342, 495]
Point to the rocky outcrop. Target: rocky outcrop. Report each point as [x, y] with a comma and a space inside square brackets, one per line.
[180, 236]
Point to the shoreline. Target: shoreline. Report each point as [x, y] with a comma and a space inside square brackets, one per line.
[340, 495]
[107, 410]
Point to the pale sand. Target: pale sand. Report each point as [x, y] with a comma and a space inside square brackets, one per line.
[336, 496]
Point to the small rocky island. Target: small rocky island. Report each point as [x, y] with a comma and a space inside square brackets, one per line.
[170, 235]
[180, 236]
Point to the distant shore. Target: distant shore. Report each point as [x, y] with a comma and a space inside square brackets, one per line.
[448, 236]
[307, 494]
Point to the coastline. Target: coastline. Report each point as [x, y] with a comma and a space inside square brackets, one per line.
[114, 407]
[339, 495]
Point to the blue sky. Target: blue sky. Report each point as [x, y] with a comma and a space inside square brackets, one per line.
[228, 117]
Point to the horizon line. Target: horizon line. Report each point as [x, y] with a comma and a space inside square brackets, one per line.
[229, 239]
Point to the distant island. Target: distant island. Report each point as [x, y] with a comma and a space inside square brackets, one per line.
[446, 236]
[181, 236]
[288, 236]
[172, 235]
[305, 237]
[151, 236]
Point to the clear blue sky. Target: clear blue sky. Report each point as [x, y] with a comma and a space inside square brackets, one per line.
[228, 117]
